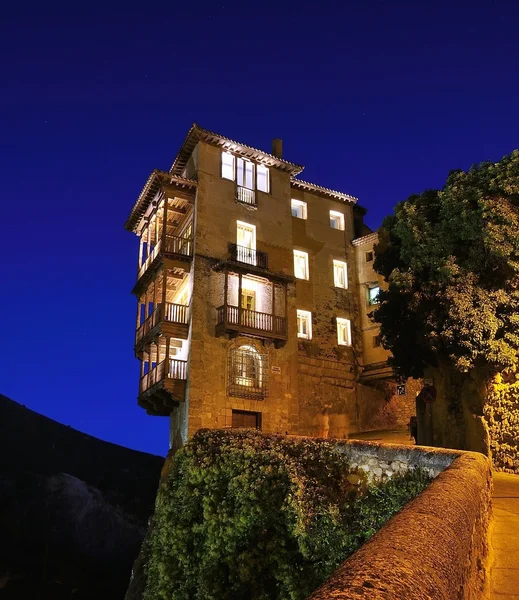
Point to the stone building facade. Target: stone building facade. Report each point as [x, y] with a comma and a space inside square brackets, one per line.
[400, 398]
[251, 297]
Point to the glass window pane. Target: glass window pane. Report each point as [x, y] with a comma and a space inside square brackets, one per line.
[249, 175]
[239, 171]
[227, 165]
[373, 295]
[304, 324]
[340, 274]
[300, 264]
[263, 178]
[343, 332]
[336, 220]
[298, 209]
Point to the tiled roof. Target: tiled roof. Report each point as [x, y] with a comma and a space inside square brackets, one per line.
[150, 189]
[312, 187]
[196, 133]
[371, 238]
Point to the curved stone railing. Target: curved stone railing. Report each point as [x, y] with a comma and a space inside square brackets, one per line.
[433, 549]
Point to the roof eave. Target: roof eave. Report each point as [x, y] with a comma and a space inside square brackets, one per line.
[197, 133]
[329, 193]
[149, 191]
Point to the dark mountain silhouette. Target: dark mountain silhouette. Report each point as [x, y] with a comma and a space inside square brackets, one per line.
[73, 509]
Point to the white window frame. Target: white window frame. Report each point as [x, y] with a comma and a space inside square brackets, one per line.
[337, 217]
[299, 254]
[304, 316]
[229, 168]
[343, 327]
[299, 205]
[246, 254]
[372, 302]
[338, 266]
[266, 170]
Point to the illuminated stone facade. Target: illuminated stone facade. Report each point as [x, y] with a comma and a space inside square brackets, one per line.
[252, 298]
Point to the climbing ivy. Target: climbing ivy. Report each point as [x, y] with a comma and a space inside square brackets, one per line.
[246, 516]
[502, 415]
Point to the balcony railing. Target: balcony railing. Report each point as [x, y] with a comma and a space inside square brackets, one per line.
[167, 369]
[246, 196]
[172, 245]
[251, 320]
[173, 313]
[151, 257]
[178, 245]
[176, 313]
[248, 256]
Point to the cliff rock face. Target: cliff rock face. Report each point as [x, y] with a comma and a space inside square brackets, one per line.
[73, 509]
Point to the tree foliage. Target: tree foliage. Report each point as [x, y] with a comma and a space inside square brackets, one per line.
[451, 259]
[246, 516]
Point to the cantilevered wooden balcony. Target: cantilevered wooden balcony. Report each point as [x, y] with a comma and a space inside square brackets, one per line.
[237, 320]
[163, 387]
[171, 320]
[171, 247]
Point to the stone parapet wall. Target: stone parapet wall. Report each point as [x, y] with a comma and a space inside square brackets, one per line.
[435, 548]
[382, 461]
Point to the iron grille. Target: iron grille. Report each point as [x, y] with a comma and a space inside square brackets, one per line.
[248, 373]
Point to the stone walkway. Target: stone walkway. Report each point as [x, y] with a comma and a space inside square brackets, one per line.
[504, 538]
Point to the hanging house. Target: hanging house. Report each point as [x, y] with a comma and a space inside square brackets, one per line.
[252, 299]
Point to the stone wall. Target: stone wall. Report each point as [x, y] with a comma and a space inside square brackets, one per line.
[501, 414]
[382, 461]
[435, 548]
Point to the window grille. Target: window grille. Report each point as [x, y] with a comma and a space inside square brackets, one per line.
[248, 373]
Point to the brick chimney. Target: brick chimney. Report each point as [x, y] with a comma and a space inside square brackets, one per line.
[277, 148]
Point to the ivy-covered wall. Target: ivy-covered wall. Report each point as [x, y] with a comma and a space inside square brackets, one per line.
[502, 417]
[245, 515]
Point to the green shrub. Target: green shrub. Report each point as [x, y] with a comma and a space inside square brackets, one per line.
[248, 516]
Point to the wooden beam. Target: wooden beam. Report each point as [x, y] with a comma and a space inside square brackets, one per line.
[178, 209]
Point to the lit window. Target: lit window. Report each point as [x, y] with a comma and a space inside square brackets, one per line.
[227, 165]
[373, 293]
[336, 220]
[245, 243]
[247, 373]
[299, 209]
[300, 264]
[304, 324]
[340, 274]
[263, 181]
[343, 332]
[245, 173]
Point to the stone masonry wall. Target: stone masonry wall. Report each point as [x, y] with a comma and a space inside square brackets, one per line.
[436, 547]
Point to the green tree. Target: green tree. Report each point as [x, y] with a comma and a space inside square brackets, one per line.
[451, 260]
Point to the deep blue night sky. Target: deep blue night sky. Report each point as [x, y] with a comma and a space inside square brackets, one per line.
[379, 99]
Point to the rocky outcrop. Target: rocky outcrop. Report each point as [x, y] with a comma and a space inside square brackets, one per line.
[73, 509]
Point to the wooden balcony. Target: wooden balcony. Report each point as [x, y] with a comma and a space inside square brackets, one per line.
[172, 320]
[164, 387]
[170, 247]
[248, 256]
[236, 320]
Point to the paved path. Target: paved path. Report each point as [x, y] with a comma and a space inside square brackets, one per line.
[504, 538]
[504, 531]
[393, 436]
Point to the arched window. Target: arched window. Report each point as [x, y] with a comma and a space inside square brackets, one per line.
[247, 372]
